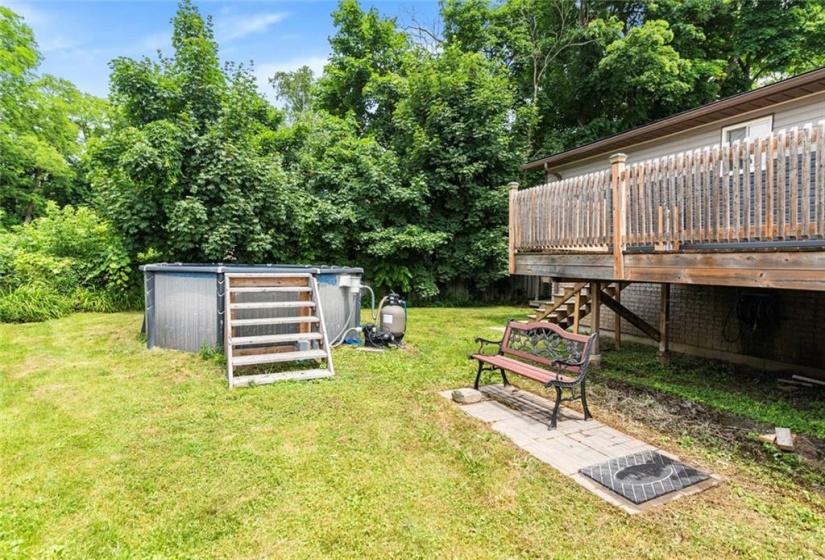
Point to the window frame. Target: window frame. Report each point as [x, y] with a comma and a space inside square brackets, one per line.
[747, 125]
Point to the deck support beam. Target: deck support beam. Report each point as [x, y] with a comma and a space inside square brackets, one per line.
[664, 323]
[630, 317]
[780, 270]
[595, 322]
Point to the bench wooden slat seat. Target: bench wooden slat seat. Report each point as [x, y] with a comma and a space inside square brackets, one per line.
[543, 352]
[523, 369]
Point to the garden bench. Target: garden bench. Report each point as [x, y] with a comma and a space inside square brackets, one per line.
[543, 352]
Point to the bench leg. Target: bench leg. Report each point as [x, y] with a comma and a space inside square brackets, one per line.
[556, 408]
[478, 376]
[504, 378]
[587, 415]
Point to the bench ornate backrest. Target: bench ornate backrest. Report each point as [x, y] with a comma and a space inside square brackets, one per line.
[543, 343]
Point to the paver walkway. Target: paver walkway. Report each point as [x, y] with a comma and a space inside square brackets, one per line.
[524, 418]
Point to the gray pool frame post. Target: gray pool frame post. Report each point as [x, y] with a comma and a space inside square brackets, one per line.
[149, 287]
[220, 290]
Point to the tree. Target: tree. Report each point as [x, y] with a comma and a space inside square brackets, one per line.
[38, 137]
[642, 77]
[765, 40]
[455, 140]
[294, 89]
[184, 175]
[365, 72]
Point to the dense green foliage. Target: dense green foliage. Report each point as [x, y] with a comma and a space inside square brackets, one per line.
[181, 175]
[396, 157]
[67, 260]
[588, 69]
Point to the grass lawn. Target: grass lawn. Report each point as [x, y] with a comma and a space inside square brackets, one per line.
[109, 450]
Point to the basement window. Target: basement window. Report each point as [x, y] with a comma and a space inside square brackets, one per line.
[750, 129]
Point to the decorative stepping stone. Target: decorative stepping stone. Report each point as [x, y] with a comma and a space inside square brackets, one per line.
[643, 476]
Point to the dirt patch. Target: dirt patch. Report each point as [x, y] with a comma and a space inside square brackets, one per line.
[32, 364]
[684, 419]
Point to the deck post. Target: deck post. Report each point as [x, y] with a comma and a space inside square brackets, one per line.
[618, 183]
[595, 322]
[513, 186]
[664, 323]
[577, 312]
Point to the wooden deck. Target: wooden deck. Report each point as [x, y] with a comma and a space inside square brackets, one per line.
[749, 214]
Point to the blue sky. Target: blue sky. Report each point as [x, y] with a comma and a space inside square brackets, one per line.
[78, 39]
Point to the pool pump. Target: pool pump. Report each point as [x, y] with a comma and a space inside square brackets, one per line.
[392, 323]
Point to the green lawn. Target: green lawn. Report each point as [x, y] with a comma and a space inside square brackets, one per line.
[109, 450]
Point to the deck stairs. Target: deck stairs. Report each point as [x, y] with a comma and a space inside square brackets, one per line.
[274, 319]
[568, 299]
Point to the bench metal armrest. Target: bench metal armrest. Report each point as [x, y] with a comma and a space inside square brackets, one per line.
[484, 342]
[568, 363]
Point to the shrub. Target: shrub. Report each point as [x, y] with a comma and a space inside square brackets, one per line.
[69, 259]
[31, 303]
[105, 301]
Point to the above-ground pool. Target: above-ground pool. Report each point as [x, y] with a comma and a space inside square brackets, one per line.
[185, 302]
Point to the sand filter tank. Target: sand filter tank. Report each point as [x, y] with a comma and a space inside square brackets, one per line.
[392, 316]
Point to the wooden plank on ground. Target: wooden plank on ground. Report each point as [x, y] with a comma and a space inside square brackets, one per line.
[784, 439]
[809, 379]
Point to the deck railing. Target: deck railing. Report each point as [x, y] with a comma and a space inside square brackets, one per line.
[569, 215]
[767, 190]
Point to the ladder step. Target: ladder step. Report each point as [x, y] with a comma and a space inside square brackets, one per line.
[278, 357]
[269, 275]
[267, 289]
[263, 379]
[272, 321]
[274, 338]
[272, 305]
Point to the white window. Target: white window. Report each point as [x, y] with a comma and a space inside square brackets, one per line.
[756, 128]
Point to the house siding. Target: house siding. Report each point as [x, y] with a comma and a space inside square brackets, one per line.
[703, 317]
[796, 113]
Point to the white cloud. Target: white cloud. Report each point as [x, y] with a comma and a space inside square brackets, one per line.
[150, 44]
[51, 36]
[34, 17]
[229, 28]
[58, 43]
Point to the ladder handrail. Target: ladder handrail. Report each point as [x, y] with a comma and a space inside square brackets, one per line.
[227, 339]
[316, 296]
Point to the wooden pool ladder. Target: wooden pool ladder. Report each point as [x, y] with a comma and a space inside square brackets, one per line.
[274, 319]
